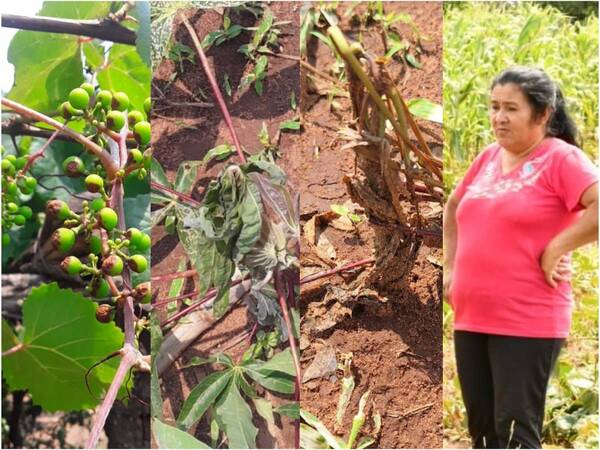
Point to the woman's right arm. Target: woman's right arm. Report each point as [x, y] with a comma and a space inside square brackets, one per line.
[450, 237]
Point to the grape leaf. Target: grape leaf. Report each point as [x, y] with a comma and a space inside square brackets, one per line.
[126, 72]
[62, 340]
[48, 65]
[170, 437]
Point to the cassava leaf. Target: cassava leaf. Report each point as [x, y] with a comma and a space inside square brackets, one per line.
[220, 153]
[290, 125]
[202, 397]
[158, 173]
[291, 410]
[265, 409]
[274, 381]
[332, 440]
[235, 417]
[412, 61]
[262, 29]
[425, 109]
[251, 214]
[170, 437]
[186, 175]
[62, 340]
[281, 362]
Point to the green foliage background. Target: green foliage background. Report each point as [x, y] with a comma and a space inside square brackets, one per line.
[481, 39]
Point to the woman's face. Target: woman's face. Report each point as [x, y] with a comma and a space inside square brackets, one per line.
[515, 126]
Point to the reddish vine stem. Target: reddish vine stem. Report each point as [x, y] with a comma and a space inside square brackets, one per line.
[279, 283]
[215, 87]
[174, 276]
[187, 198]
[175, 299]
[38, 154]
[104, 157]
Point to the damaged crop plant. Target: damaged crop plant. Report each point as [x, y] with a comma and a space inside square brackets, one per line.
[242, 242]
[75, 165]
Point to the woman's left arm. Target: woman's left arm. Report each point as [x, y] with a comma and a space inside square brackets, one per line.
[582, 232]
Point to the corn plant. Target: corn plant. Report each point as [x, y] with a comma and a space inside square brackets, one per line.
[87, 131]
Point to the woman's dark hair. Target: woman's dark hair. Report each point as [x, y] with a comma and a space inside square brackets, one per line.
[543, 93]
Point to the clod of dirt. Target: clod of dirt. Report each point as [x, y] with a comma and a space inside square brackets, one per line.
[323, 365]
[337, 306]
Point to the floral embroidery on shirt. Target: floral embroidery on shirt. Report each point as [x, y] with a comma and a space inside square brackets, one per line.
[490, 183]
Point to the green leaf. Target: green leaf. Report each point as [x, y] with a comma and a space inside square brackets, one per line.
[425, 109]
[333, 441]
[158, 173]
[251, 214]
[227, 85]
[282, 362]
[261, 66]
[223, 273]
[290, 125]
[170, 437]
[62, 340]
[262, 29]
[291, 410]
[311, 438]
[340, 210]
[202, 397]
[273, 381]
[126, 72]
[412, 61]
[48, 65]
[94, 54]
[220, 153]
[235, 417]
[530, 29]
[137, 212]
[265, 409]
[155, 342]
[198, 361]
[143, 38]
[186, 176]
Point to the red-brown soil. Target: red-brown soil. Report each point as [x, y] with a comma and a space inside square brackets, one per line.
[397, 345]
[183, 133]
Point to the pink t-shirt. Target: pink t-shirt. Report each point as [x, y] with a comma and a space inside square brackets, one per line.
[504, 224]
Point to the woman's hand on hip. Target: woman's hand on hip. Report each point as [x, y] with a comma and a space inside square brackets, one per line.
[556, 267]
[447, 285]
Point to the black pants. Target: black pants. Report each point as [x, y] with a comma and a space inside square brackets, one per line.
[504, 381]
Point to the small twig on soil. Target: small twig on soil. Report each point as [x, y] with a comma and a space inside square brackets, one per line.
[215, 87]
[409, 413]
[328, 273]
[306, 66]
[104, 157]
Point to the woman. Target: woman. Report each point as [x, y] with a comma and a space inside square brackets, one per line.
[525, 203]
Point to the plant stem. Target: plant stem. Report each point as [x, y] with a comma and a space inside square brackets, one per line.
[328, 273]
[104, 157]
[39, 153]
[215, 87]
[288, 324]
[174, 276]
[17, 348]
[174, 299]
[187, 198]
[107, 30]
[306, 65]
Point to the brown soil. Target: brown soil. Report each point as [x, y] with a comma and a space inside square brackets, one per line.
[183, 133]
[396, 343]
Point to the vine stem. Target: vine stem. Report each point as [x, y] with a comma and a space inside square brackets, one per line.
[17, 348]
[130, 355]
[109, 165]
[38, 154]
[162, 187]
[288, 324]
[106, 30]
[215, 87]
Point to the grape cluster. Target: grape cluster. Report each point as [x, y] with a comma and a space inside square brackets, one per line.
[17, 187]
[95, 230]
